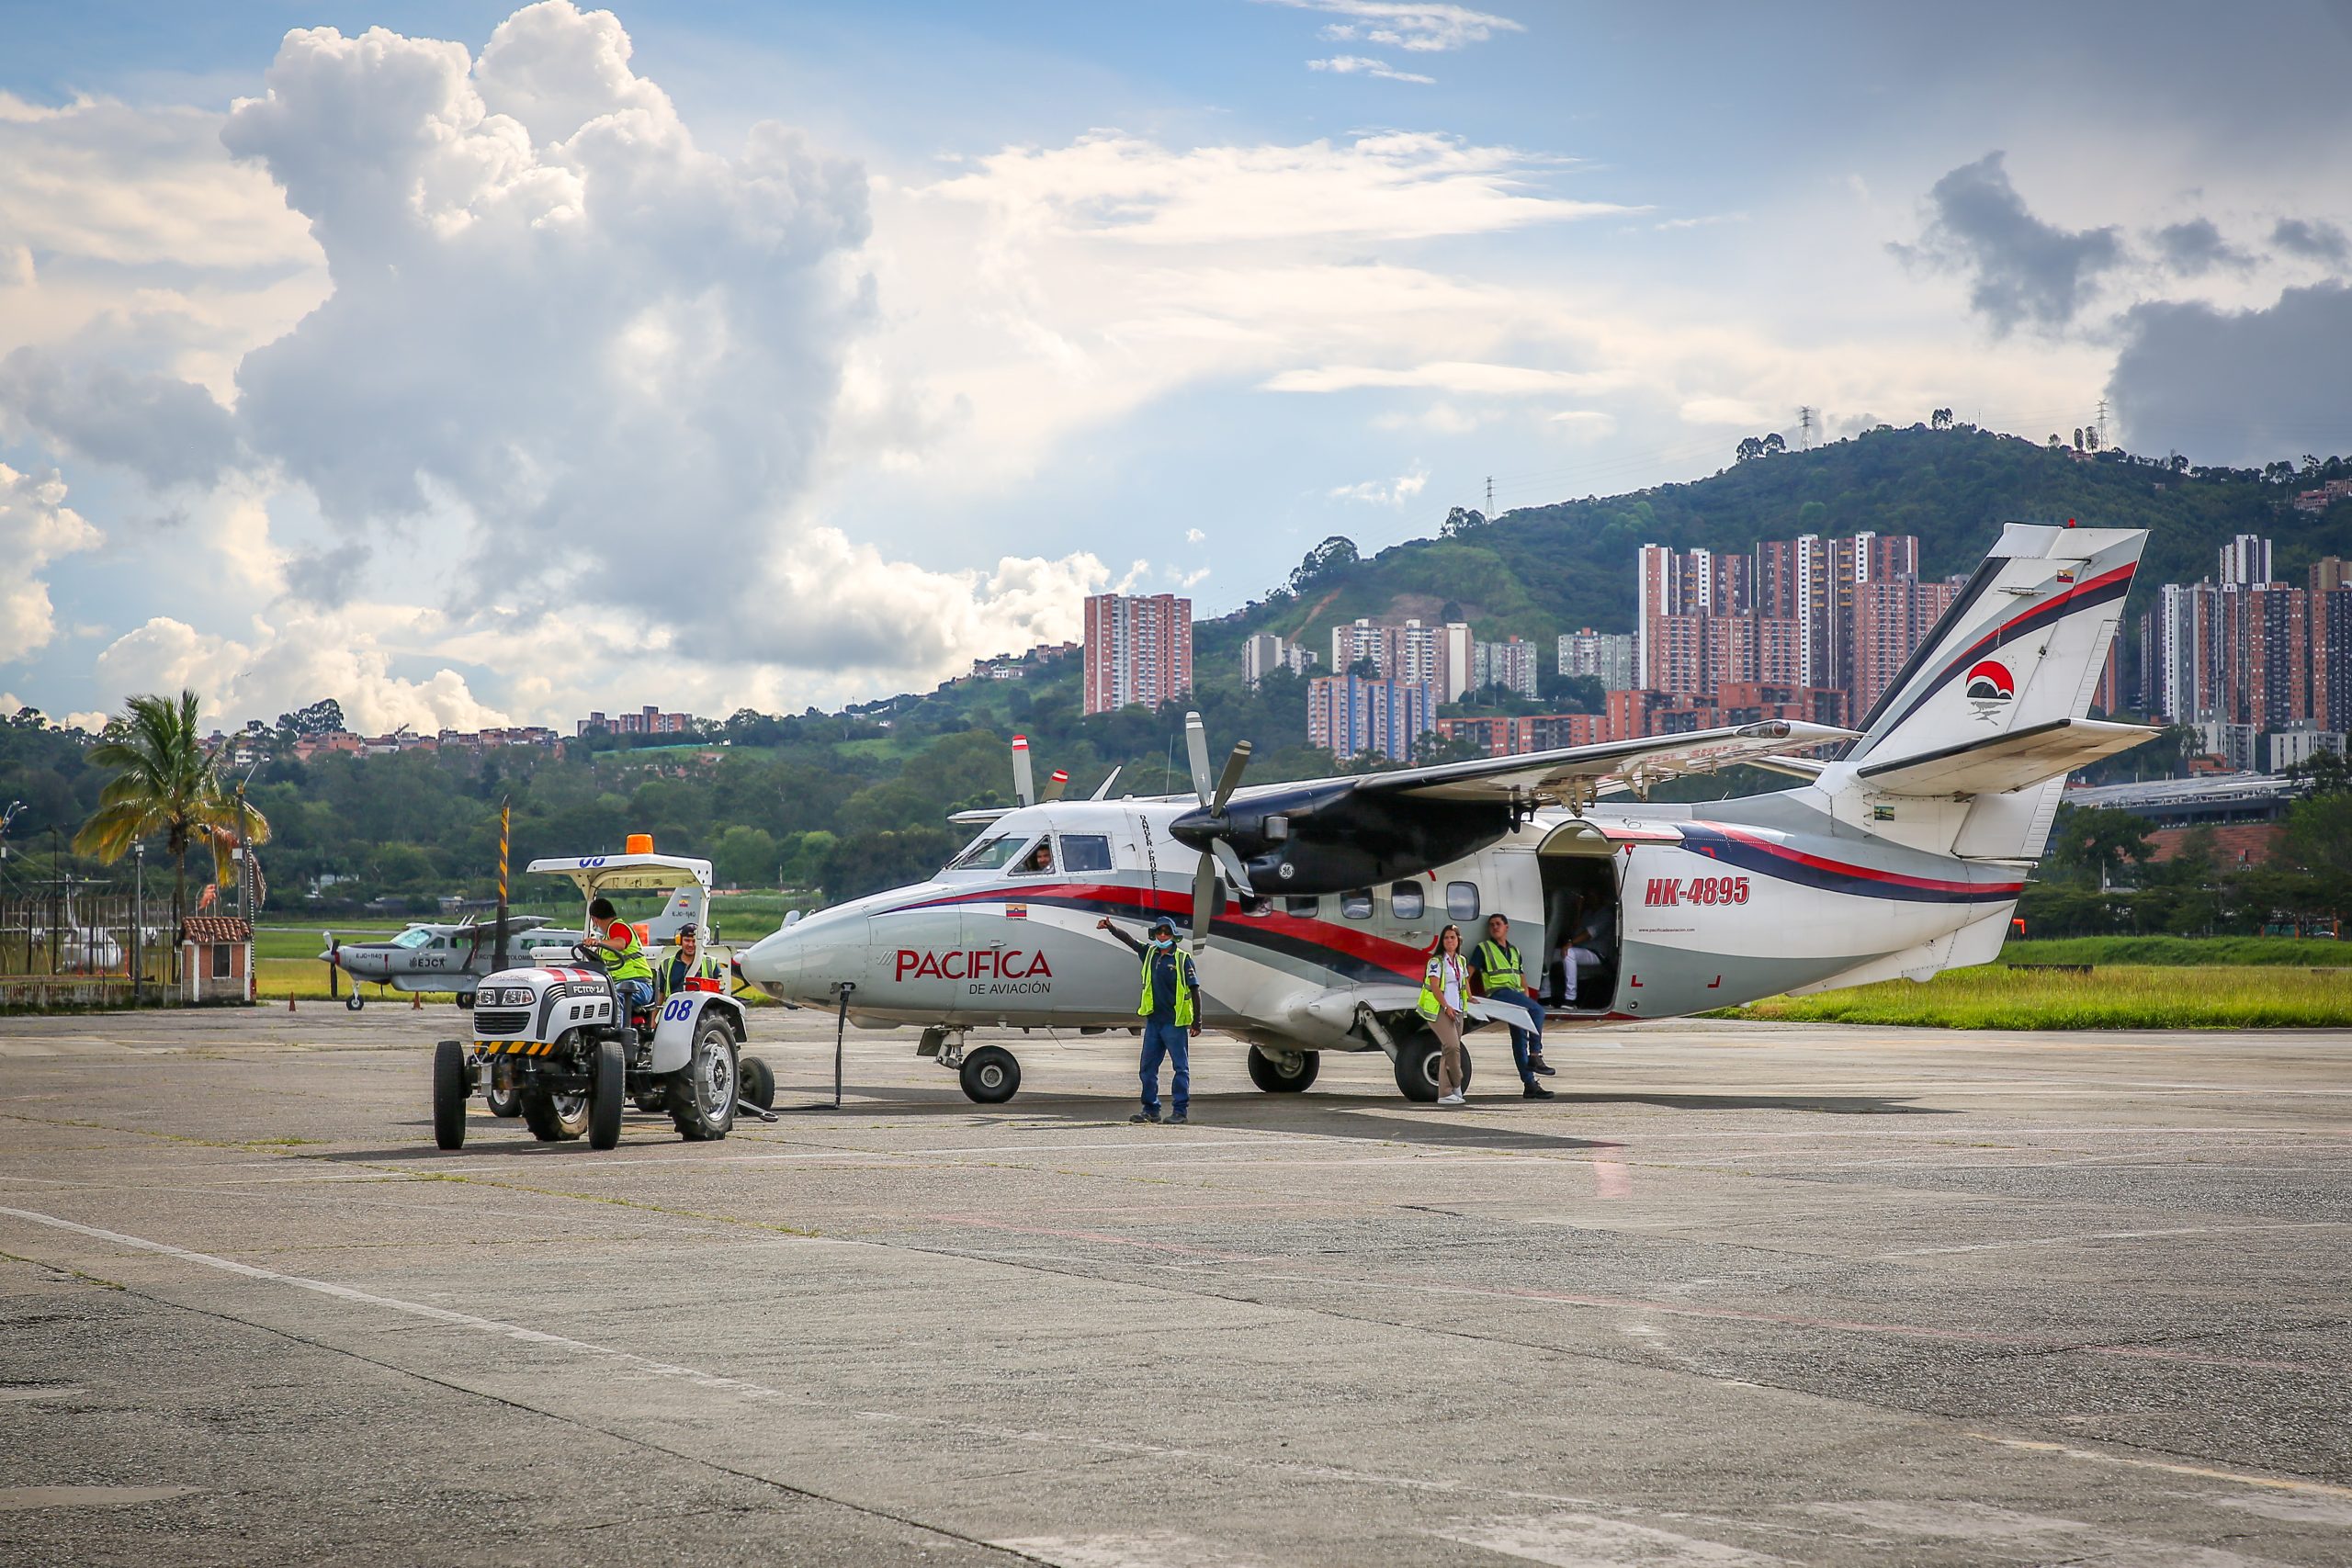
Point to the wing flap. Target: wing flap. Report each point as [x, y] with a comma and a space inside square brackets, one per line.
[1579, 771]
[2000, 763]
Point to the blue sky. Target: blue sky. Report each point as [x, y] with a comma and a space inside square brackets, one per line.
[710, 356]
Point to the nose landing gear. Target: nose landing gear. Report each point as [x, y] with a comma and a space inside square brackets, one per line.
[989, 1074]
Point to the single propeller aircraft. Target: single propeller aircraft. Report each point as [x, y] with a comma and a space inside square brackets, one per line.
[1316, 901]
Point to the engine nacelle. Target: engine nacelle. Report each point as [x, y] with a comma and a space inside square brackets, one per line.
[1331, 837]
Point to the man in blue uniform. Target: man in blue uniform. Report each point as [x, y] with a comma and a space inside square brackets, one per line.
[1166, 1009]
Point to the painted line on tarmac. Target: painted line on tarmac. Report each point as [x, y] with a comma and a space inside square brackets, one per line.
[2108, 1236]
[2201, 1473]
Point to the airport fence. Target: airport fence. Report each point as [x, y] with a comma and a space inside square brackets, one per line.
[75, 949]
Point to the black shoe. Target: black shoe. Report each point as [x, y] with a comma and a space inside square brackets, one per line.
[1536, 1091]
[1151, 1116]
[1178, 1119]
[1538, 1066]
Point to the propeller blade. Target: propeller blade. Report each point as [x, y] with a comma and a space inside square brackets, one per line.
[1203, 899]
[1103, 790]
[1055, 782]
[1196, 750]
[1231, 860]
[1225, 781]
[1024, 781]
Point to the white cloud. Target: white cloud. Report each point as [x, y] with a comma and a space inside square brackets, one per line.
[1716, 409]
[1451, 375]
[1193, 536]
[1366, 65]
[1385, 493]
[1423, 28]
[1588, 423]
[36, 527]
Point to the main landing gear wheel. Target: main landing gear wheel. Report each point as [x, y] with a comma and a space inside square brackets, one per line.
[990, 1075]
[702, 1093]
[506, 1103]
[1284, 1074]
[758, 1082]
[1417, 1059]
[354, 1001]
[449, 1095]
[607, 1096]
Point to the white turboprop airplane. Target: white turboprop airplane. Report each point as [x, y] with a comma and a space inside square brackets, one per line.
[1319, 900]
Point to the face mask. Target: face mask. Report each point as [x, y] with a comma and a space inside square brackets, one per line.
[1163, 941]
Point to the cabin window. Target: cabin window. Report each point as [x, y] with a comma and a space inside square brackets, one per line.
[1302, 908]
[1356, 904]
[220, 960]
[1461, 900]
[990, 852]
[1086, 852]
[1405, 900]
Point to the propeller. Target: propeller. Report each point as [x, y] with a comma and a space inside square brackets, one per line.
[1055, 782]
[1024, 779]
[1212, 798]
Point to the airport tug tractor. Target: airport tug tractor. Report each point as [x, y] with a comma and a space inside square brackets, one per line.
[552, 1038]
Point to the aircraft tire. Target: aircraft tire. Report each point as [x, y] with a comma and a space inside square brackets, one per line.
[703, 1092]
[990, 1075]
[354, 1001]
[449, 1095]
[1268, 1074]
[502, 1102]
[758, 1080]
[607, 1096]
[1417, 1055]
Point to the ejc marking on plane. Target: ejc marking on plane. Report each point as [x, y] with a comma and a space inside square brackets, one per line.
[1313, 903]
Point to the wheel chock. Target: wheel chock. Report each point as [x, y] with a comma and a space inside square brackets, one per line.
[416, 1001]
[289, 1004]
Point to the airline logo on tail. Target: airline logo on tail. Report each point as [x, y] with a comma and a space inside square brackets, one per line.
[1991, 689]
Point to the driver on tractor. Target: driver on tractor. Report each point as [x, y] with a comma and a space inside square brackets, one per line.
[631, 976]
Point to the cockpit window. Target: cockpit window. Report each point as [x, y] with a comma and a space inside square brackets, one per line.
[1086, 852]
[416, 937]
[991, 851]
[1037, 862]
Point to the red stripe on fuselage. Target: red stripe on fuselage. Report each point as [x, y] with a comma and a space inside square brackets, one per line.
[1862, 872]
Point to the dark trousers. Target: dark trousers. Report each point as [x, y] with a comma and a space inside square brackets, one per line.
[1162, 1037]
[1523, 1042]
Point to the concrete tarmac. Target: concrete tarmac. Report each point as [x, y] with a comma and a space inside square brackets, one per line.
[1742, 1294]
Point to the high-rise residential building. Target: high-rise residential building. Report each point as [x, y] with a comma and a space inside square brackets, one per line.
[1139, 649]
[644, 721]
[2107, 696]
[1670, 582]
[2246, 561]
[1509, 664]
[1264, 653]
[2178, 654]
[1349, 715]
[2265, 637]
[1353, 643]
[1455, 661]
[1605, 657]
[1408, 651]
[2330, 574]
[2331, 645]
[1892, 616]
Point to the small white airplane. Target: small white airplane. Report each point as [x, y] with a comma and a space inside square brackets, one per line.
[1318, 901]
[432, 956]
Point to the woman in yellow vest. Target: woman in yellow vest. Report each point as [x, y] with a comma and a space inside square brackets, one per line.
[1445, 996]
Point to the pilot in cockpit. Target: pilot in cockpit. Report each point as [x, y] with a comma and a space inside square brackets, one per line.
[1036, 860]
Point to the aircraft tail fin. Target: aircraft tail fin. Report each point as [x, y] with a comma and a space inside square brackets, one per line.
[1990, 713]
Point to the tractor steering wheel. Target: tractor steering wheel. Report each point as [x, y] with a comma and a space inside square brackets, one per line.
[588, 957]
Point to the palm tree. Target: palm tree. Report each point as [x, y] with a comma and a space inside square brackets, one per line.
[165, 783]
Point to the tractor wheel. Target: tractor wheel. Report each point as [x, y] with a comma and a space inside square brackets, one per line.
[449, 1095]
[465, 1001]
[1283, 1075]
[990, 1075]
[505, 1102]
[1418, 1057]
[552, 1118]
[759, 1082]
[702, 1093]
[608, 1095]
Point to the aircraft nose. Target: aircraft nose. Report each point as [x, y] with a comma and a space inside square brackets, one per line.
[804, 961]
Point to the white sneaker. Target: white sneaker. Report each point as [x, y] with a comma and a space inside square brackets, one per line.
[1452, 1099]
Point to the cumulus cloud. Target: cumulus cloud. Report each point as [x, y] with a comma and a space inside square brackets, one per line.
[1385, 493]
[2195, 247]
[2243, 387]
[2021, 269]
[1366, 65]
[167, 430]
[36, 527]
[2312, 239]
[1451, 375]
[1400, 24]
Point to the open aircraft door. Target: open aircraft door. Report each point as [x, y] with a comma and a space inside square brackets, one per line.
[1585, 867]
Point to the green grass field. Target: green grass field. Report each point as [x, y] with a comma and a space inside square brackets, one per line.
[2283, 952]
[2242, 996]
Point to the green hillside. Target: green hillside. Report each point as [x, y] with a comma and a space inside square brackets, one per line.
[1541, 570]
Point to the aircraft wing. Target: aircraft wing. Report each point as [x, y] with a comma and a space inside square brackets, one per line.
[1579, 771]
[2000, 763]
[1337, 1006]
